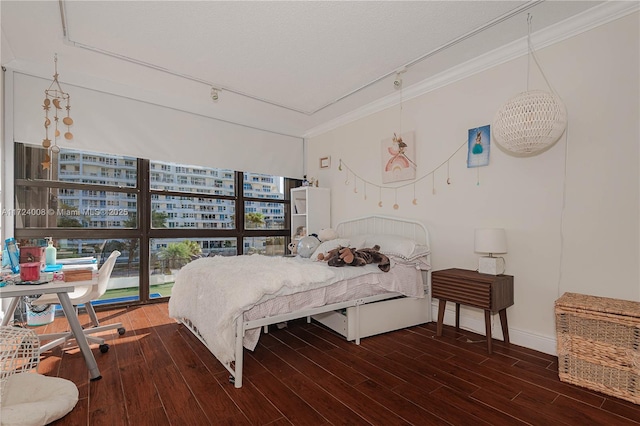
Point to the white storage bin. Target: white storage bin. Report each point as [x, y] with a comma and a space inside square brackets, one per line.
[40, 314]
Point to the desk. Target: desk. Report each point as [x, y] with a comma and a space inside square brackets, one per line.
[62, 289]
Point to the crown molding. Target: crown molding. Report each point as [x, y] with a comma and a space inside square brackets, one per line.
[585, 21]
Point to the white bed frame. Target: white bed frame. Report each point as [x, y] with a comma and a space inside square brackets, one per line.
[363, 317]
[367, 320]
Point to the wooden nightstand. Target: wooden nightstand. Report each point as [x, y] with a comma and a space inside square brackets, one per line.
[493, 293]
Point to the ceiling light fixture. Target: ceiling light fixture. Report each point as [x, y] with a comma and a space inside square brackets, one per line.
[215, 94]
[397, 83]
[531, 121]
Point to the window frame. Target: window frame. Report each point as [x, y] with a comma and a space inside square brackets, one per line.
[144, 232]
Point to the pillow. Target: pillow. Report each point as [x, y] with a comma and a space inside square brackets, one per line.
[394, 245]
[358, 241]
[329, 245]
[419, 251]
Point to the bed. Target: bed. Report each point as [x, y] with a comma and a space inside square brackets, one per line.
[227, 301]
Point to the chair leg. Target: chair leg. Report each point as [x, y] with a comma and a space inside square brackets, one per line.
[56, 339]
[92, 314]
[93, 330]
[61, 340]
[97, 328]
[95, 339]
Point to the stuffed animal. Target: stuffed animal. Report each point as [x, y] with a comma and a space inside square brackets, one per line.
[341, 256]
[327, 234]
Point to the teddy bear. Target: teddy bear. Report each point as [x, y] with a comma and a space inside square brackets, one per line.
[327, 234]
[341, 256]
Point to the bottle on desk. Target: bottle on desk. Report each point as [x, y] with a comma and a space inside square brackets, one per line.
[14, 255]
[5, 258]
[50, 253]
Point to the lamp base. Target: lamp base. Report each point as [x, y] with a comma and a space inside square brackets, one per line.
[491, 265]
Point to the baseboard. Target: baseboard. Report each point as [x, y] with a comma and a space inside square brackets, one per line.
[527, 339]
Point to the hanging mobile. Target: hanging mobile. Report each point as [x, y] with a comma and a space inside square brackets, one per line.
[54, 95]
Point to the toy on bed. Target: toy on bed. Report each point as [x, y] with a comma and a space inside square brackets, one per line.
[327, 234]
[341, 256]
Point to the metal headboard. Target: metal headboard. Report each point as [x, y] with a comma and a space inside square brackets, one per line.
[384, 225]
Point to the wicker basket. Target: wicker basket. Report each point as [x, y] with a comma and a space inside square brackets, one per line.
[599, 344]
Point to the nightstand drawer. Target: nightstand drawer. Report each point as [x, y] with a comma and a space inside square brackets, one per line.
[492, 292]
[467, 292]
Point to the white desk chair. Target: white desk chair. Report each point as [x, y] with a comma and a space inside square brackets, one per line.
[84, 294]
[26, 397]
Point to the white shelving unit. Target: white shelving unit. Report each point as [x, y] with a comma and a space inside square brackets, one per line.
[310, 208]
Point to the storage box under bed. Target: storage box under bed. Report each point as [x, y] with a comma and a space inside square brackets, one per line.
[599, 344]
[379, 317]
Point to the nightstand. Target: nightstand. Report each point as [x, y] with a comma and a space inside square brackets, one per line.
[492, 293]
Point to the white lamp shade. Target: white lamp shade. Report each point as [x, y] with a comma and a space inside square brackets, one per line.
[491, 240]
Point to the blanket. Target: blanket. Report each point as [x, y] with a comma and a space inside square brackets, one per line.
[213, 292]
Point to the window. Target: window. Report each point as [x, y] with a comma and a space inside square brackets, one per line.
[92, 204]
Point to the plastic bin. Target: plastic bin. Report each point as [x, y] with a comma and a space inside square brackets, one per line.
[40, 314]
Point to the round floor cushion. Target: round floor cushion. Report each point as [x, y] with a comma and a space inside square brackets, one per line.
[34, 399]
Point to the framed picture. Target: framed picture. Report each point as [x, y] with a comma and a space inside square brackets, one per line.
[479, 144]
[325, 162]
[398, 158]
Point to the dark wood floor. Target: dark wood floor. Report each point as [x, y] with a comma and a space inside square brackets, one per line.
[158, 373]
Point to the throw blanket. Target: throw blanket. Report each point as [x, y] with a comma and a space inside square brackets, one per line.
[213, 292]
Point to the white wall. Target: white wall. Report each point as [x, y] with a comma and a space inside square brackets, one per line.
[571, 213]
[107, 122]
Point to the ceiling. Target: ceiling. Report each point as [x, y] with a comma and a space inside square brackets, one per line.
[288, 67]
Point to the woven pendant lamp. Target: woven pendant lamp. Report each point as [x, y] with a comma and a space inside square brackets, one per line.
[531, 121]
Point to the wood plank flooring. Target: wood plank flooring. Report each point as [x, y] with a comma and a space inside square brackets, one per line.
[159, 374]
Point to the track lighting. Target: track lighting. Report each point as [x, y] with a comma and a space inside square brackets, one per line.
[397, 83]
[215, 94]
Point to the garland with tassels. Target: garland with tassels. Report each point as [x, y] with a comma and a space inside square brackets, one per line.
[342, 166]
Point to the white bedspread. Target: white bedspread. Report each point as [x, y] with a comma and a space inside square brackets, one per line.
[213, 292]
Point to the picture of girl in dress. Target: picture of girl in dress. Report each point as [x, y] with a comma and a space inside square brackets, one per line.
[477, 148]
[479, 143]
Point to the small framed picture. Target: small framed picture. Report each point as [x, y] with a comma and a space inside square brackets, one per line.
[325, 162]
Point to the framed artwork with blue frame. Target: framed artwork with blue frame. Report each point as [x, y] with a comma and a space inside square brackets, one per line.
[479, 146]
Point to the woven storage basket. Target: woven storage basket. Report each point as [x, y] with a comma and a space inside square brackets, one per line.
[599, 344]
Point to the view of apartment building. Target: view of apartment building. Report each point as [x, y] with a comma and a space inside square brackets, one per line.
[104, 209]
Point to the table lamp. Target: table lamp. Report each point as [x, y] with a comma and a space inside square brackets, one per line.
[492, 241]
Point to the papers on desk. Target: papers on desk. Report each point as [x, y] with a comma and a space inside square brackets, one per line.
[72, 264]
[52, 268]
[77, 261]
[78, 264]
[39, 282]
